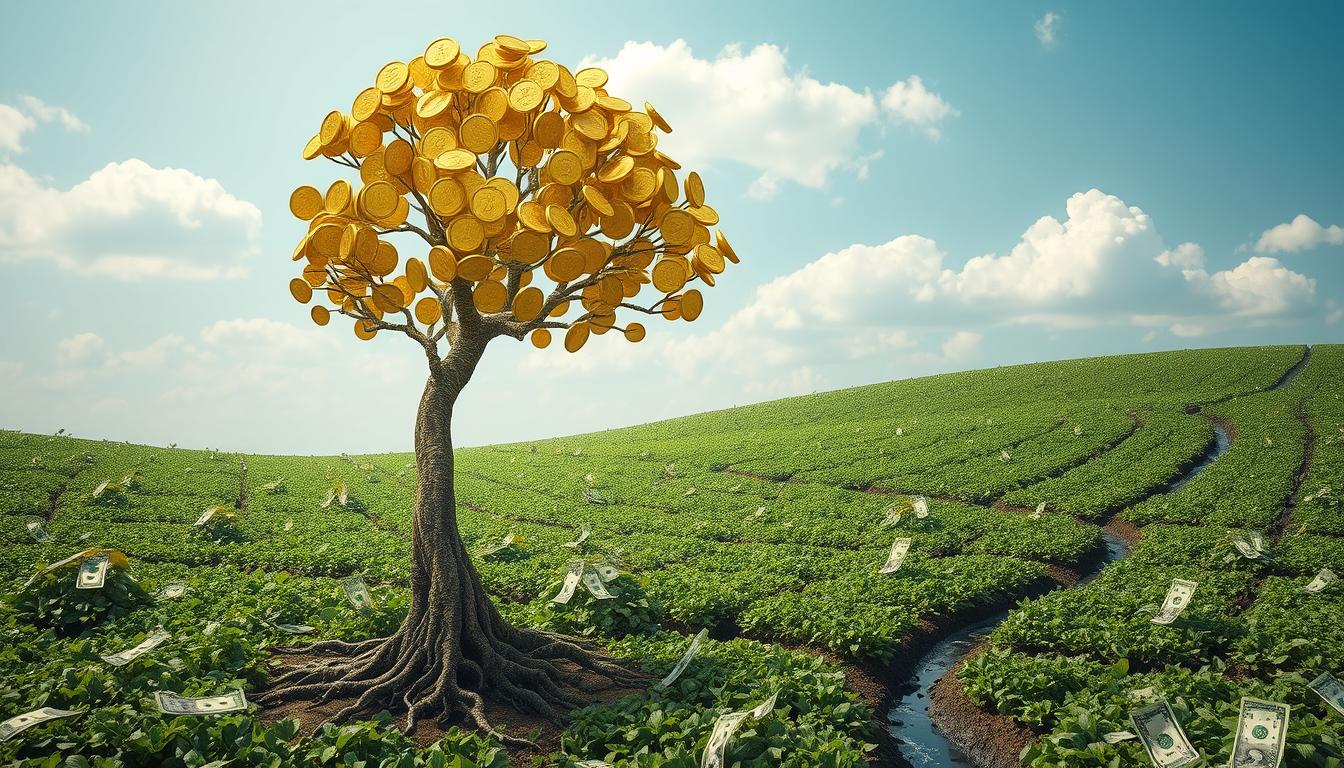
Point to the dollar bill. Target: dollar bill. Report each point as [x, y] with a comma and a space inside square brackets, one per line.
[20, 723]
[572, 577]
[1178, 597]
[289, 524]
[1146, 695]
[593, 497]
[1115, 737]
[508, 541]
[583, 536]
[921, 506]
[1262, 733]
[122, 658]
[1005, 455]
[83, 537]
[38, 530]
[593, 583]
[1246, 549]
[893, 517]
[59, 564]
[899, 549]
[357, 593]
[592, 764]
[607, 572]
[205, 517]
[725, 727]
[1327, 687]
[685, 660]
[1163, 737]
[92, 572]
[172, 704]
[172, 591]
[1325, 578]
[1257, 540]
[1040, 510]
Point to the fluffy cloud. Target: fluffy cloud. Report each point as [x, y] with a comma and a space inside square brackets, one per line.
[129, 221]
[1046, 27]
[1302, 233]
[81, 346]
[16, 121]
[1258, 287]
[13, 124]
[751, 107]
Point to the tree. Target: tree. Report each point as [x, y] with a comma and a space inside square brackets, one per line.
[519, 173]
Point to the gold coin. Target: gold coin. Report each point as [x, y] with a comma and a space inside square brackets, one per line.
[721, 242]
[544, 73]
[365, 330]
[442, 263]
[526, 96]
[489, 204]
[704, 214]
[541, 338]
[691, 303]
[616, 170]
[515, 45]
[511, 194]
[392, 77]
[455, 160]
[594, 254]
[388, 297]
[565, 167]
[695, 189]
[333, 127]
[591, 125]
[613, 104]
[313, 148]
[527, 304]
[379, 199]
[529, 247]
[592, 77]
[384, 259]
[677, 227]
[560, 220]
[710, 257]
[490, 296]
[365, 139]
[634, 333]
[431, 104]
[669, 274]
[397, 157]
[300, 290]
[428, 310]
[639, 185]
[422, 76]
[640, 143]
[320, 314]
[576, 337]
[548, 129]
[598, 201]
[478, 134]
[512, 126]
[494, 104]
[446, 197]
[565, 265]
[657, 118]
[533, 216]
[474, 268]
[619, 224]
[465, 234]
[442, 53]
[436, 141]
[478, 76]
[338, 197]
[416, 275]
[366, 104]
[667, 185]
[305, 203]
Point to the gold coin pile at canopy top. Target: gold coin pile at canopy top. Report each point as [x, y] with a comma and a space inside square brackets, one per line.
[516, 164]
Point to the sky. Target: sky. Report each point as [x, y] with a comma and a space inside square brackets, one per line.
[913, 188]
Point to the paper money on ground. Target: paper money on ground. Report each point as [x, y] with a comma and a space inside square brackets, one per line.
[1246, 549]
[1115, 737]
[172, 591]
[572, 577]
[122, 658]
[38, 530]
[1330, 689]
[1262, 733]
[921, 506]
[899, 549]
[685, 661]
[583, 536]
[1178, 597]
[172, 704]
[607, 572]
[357, 593]
[20, 723]
[1163, 737]
[725, 727]
[92, 572]
[1325, 578]
[594, 584]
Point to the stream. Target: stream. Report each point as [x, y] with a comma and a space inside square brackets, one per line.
[921, 744]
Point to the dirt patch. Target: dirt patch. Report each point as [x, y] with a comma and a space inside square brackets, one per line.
[1124, 530]
[991, 740]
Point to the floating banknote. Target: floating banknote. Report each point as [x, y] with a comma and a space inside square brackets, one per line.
[1262, 731]
[1040, 510]
[1246, 549]
[1005, 455]
[690, 491]
[1178, 597]
[893, 517]
[1115, 737]
[572, 577]
[921, 506]
[172, 591]
[594, 584]
[206, 516]
[83, 537]
[607, 572]
[1163, 737]
[583, 536]
[357, 593]
[1325, 578]
[122, 658]
[593, 497]
[508, 542]
[1257, 540]
[292, 629]
[289, 524]
[92, 572]
[1330, 689]
[899, 548]
[19, 723]
[38, 530]
[685, 661]
[172, 704]
[725, 727]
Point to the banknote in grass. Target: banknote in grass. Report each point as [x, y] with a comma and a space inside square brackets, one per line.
[1178, 597]
[122, 658]
[357, 592]
[92, 572]
[19, 723]
[1162, 736]
[1330, 689]
[172, 704]
[685, 661]
[899, 549]
[1262, 733]
[1323, 579]
[724, 728]
[38, 530]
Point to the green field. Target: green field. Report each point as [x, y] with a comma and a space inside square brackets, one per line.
[766, 524]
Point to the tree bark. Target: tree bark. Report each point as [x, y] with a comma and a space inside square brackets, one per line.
[453, 649]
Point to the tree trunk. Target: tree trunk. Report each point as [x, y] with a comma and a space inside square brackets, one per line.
[453, 649]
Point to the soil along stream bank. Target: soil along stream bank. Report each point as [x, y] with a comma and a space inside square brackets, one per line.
[920, 740]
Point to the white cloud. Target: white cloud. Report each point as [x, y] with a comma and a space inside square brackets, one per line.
[16, 121]
[1046, 27]
[81, 346]
[1260, 286]
[751, 107]
[1183, 256]
[909, 101]
[129, 221]
[48, 113]
[1302, 233]
[962, 345]
[13, 124]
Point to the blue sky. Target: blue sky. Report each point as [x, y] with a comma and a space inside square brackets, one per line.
[914, 188]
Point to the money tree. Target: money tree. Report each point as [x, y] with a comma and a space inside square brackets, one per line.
[525, 201]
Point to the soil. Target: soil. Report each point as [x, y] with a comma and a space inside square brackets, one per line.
[991, 740]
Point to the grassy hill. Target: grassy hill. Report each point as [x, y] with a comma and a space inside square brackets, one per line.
[766, 523]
